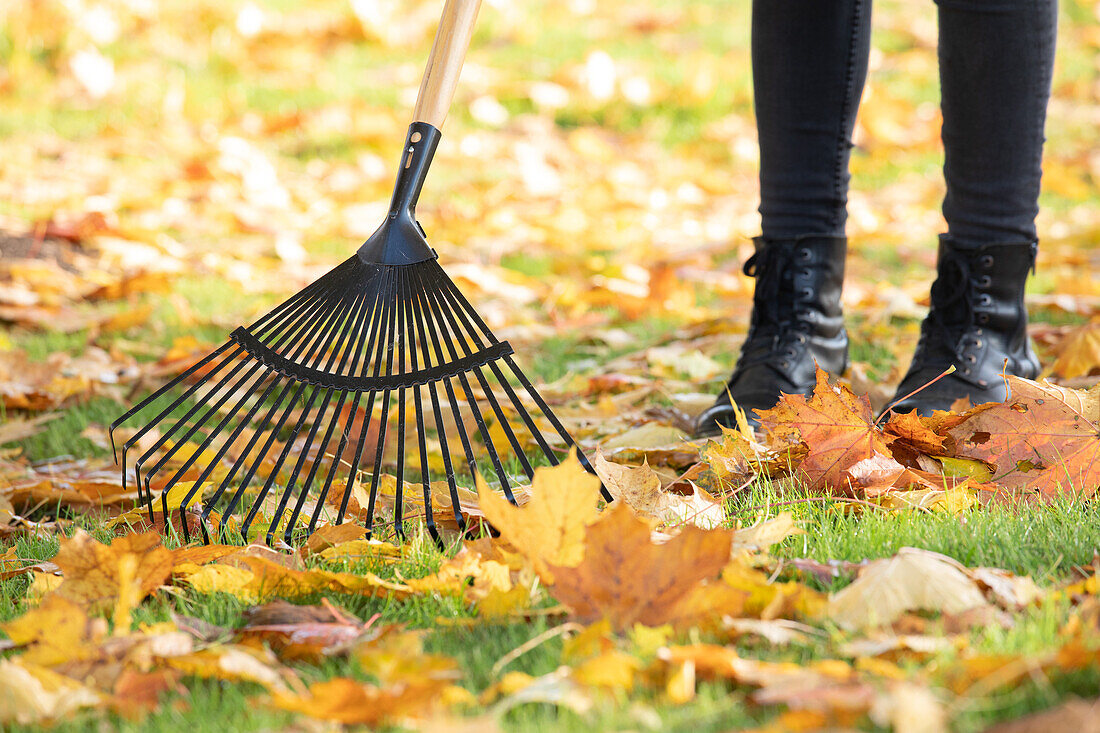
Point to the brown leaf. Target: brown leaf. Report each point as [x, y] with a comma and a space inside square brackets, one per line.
[640, 487]
[332, 534]
[137, 693]
[627, 579]
[1047, 444]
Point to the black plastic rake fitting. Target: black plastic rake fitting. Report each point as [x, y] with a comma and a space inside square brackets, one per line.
[385, 325]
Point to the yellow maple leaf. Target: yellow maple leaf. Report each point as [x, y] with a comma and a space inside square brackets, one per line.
[31, 694]
[548, 529]
[57, 631]
[97, 576]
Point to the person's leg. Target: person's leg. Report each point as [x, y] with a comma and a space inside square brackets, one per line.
[809, 63]
[996, 62]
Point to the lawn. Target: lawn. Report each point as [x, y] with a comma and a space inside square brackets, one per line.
[170, 171]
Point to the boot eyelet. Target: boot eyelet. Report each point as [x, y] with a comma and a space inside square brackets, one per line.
[983, 318]
[804, 255]
[986, 261]
[986, 299]
[801, 338]
[966, 371]
[784, 364]
[971, 359]
[806, 273]
[807, 293]
[977, 343]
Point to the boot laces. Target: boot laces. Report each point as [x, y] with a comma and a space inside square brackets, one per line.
[775, 329]
[954, 296]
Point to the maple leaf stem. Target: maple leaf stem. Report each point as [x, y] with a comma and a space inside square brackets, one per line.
[892, 405]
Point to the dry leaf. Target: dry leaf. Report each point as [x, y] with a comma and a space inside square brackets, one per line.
[32, 695]
[351, 702]
[1046, 444]
[911, 580]
[98, 576]
[549, 528]
[837, 429]
[627, 579]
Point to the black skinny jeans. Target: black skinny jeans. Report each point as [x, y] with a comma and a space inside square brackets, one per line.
[809, 61]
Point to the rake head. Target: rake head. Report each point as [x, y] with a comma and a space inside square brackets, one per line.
[380, 364]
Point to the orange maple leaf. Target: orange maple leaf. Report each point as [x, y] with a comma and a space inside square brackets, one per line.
[836, 428]
[628, 579]
[354, 703]
[1044, 439]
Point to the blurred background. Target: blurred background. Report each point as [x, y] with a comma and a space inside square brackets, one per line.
[171, 168]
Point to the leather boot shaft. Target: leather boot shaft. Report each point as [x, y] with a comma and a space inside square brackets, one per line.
[977, 323]
[797, 324]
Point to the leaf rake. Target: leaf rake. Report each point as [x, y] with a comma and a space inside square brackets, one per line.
[305, 395]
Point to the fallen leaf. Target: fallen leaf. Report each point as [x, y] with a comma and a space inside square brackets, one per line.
[32, 695]
[97, 576]
[837, 429]
[549, 528]
[351, 702]
[911, 580]
[627, 579]
[1036, 443]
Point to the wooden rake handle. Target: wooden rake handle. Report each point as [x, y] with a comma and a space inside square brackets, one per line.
[445, 62]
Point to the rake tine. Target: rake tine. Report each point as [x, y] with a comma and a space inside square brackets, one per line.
[319, 341]
[383, 427]
[360, 329]
[339, 330]
[452, 317]
[291, 308]
[374, 354]
[280, 311]
[156, 395]
[545, 408]
[464, 309]
[315, 318]
[376, 321]
[441, 430]
[415, 345]
[224, 484]
[467, 448]
[402, 347]
[471, 400]
[373, 281]
[170, 434]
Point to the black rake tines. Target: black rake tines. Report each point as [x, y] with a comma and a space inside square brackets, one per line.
[321, 385]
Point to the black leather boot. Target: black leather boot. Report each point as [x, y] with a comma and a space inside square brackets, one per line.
[796, 321]
[976, 323]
